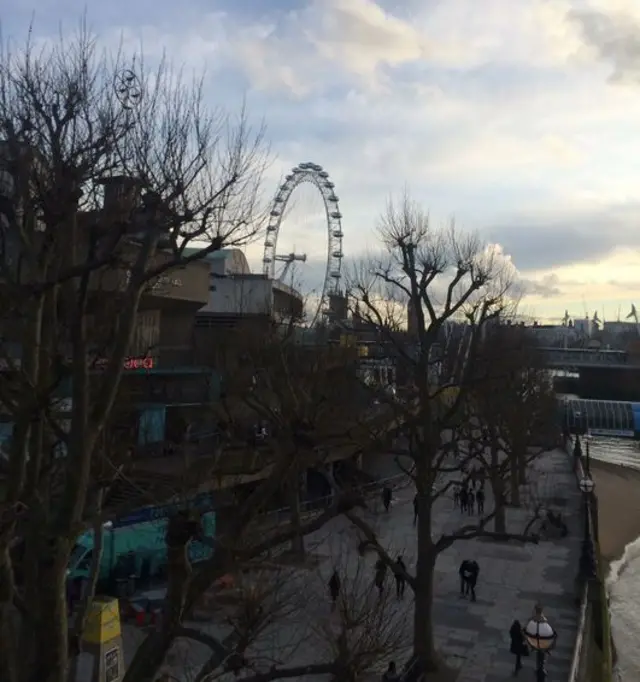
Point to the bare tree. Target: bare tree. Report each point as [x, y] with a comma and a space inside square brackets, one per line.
[513, 400]
[298, 406]
[452, 288]
[112, 178]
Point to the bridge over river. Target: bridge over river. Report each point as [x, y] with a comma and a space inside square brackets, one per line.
[577, 358]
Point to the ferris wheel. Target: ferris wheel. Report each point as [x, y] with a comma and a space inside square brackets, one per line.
[316, 175]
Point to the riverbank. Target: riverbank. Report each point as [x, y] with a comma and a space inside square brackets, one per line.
[618, 491]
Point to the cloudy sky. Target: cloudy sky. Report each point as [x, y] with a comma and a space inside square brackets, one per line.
[520, 118]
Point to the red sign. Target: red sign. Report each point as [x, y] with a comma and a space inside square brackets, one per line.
[130, 363]
[139, 363]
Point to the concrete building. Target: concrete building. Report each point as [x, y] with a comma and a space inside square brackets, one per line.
[235, 292]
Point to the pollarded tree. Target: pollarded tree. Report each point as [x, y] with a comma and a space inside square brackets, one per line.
[298, 405]
[514, 401]
[452, 288]
[112, 179]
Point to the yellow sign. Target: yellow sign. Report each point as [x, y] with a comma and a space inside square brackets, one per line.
[103, 621]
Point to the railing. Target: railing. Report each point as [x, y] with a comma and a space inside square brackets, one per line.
[315, 507]
[593, 622]
[575, 357]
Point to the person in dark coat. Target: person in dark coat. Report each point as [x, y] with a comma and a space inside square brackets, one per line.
[473, 571]
[391, 674]
[464, 498]
[480, 501]
[471, 499]
[386, 497]
[401, 583]
[464, 571]
[334, 587]
[518, 646]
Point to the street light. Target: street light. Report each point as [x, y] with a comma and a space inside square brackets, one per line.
[587, 484]
[587, 559]
[541, 637]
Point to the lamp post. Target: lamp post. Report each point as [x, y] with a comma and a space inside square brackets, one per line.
[587, 486]
[541, 637]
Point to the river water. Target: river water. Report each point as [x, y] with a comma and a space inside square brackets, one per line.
[624, 578]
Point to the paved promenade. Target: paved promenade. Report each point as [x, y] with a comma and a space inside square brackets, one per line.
[473, 636]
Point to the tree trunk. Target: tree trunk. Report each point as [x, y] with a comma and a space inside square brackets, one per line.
[424, 648]
[500, 519]
[497, 486]
[514, 483]
[8, 642]
[52, 627]
[522, 466]
[297, 541]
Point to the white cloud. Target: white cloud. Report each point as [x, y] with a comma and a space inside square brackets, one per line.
[497, 111]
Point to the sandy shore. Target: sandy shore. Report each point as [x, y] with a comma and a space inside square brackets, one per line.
[618, 491]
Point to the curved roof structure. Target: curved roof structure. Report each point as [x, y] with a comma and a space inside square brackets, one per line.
[225, 261]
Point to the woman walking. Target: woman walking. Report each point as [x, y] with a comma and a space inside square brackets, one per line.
[518, 645]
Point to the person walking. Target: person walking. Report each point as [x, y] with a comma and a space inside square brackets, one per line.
[464, 497]
[381, 574]
[391, 674]
[334, 588]
[386, 497]
[399, 573]
[471, 498]
[464, 572]
[472, 578]
[456, 495]
[480, 501]
[415, 509]
[518, 646]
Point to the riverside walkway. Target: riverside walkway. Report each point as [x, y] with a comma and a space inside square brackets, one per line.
[473, 637]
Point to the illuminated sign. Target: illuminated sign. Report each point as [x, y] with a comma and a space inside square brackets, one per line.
[130, 363]
[139, 363]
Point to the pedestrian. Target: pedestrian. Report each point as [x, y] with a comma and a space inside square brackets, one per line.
[480, 501]
[471, 498]
[518, 645]
[400, 570]
[473, 477]
[473, 571]
[391, 674]
[334, 588]
[464, 497]
[415, 509]
[381, 574]
[464, 572]
[456, 495]
[386, 497]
